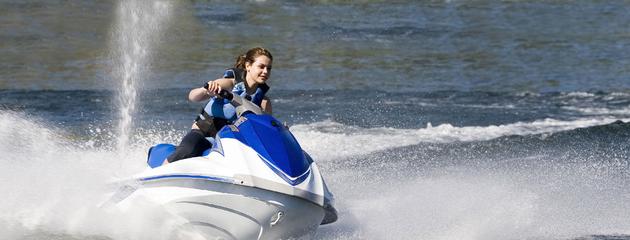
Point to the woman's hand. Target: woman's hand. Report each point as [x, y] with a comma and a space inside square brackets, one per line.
[210, 89]
[213, 88]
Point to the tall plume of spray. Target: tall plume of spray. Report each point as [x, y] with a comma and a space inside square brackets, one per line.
[135, 33]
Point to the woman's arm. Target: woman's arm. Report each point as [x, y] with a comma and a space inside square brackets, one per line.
[214, 87]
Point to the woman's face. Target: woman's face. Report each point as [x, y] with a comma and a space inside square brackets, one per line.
[260, 70]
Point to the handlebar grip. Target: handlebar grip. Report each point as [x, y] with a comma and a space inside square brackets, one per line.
[226, 94]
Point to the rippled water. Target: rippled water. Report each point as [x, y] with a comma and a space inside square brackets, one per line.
[410, 46]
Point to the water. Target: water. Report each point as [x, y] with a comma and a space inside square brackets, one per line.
[138, 25]
[438, 120]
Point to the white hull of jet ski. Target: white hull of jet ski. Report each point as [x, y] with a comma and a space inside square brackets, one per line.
[231, 211]
[228, 197]
[255, 183]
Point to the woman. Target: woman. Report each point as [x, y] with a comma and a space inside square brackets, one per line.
[248, 78]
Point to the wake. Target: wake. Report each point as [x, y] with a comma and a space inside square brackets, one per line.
[331, 140]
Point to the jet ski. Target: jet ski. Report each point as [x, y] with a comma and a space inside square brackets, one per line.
[256, 182]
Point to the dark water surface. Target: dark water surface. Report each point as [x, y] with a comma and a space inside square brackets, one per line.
[402, 46]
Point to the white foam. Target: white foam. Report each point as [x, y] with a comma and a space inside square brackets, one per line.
[330, 140]
[600, 111]
[579, 94]
[477, 205]
[55, 185]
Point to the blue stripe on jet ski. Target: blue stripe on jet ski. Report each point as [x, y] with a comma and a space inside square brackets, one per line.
[218, 179]
[287, 178]
[274, 144]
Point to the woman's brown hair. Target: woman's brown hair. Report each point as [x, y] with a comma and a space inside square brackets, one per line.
[250, 56]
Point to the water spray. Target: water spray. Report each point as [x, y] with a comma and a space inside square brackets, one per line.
[135, 34]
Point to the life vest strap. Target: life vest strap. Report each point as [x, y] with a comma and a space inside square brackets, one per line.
[209, 125]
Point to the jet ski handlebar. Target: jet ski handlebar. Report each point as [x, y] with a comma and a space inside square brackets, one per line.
[225, 94]
[242, 105]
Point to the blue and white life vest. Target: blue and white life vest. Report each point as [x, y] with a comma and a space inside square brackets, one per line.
[221, 108]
